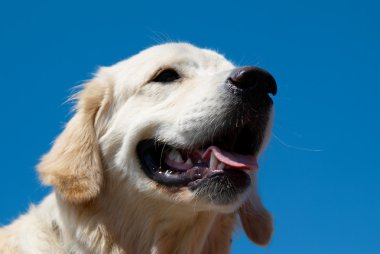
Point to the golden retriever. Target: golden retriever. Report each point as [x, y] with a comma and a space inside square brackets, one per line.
[160, 157]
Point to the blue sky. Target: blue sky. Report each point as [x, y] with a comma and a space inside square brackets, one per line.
[320, 174]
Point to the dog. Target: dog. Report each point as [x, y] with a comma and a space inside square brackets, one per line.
[160, 157]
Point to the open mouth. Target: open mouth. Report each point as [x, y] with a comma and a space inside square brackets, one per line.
[230, 156]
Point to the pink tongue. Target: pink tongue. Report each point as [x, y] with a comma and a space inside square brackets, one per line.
[234, 160]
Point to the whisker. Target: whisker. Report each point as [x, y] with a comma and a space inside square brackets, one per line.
[282, 142]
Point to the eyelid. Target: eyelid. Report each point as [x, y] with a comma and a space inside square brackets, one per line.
[167, 68]
[161, 69]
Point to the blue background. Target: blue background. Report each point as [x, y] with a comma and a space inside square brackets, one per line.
[320, 175]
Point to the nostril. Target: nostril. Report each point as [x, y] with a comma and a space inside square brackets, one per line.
[253, 79]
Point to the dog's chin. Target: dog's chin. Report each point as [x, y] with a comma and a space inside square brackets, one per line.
[225, 190]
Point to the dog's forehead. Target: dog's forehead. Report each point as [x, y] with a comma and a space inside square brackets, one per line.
[184, 52]
[174, 54]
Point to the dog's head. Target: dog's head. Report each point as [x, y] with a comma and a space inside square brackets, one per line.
[181, 123]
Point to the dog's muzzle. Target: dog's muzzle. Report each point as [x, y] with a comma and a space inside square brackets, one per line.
[218, 167]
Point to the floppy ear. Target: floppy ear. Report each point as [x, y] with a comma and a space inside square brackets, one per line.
[73, 165]
[257, 221]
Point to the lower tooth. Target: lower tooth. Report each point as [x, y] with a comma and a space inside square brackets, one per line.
[221, 166]
[213, 161]
[189, 162]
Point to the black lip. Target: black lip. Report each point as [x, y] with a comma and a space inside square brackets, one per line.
[150, 156]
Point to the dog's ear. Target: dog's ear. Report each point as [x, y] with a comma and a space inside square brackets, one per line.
[256, 220]
[73, 166]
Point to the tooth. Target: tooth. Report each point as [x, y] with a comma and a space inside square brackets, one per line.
[174, 155]
[199, 161]
[221, 166]
[178, 157]
[189, 162]
[213, 161]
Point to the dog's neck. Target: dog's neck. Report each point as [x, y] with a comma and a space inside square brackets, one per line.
[118, 223]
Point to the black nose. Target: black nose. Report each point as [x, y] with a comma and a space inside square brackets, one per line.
[253, 80]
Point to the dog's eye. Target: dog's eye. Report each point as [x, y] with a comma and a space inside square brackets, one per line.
[166, 76]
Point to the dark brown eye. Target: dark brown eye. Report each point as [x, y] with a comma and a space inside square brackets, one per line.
[166, 76]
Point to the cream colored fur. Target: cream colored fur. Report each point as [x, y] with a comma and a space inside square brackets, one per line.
[103, 202]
